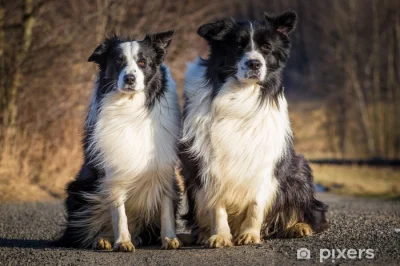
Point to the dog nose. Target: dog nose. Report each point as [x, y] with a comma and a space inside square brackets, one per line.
[253, 64]
[129, 79]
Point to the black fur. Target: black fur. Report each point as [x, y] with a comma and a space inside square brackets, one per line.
[295, 197]
[86, 181]
[229, 41]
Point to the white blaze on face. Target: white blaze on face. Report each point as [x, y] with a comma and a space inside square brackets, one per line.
[253, 54]
[131, 51]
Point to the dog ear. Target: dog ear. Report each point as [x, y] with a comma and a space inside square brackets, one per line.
[284, 23]
[160, 42]
[216, 30]
[98, 54]
[161, 39]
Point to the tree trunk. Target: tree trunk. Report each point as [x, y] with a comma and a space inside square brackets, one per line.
[396, 99]
[376, 81]
[9, 107]
[2, 70]
[353, 75]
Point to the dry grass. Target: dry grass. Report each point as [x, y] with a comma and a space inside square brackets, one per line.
[12, 191]
[38, 167]
[308, 119]
[365, 181]
[317, 132]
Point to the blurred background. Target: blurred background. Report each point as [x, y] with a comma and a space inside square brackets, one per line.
[342, 83]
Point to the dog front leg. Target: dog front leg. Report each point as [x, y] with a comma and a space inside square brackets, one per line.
[168, 233]
[250, 229]
[120, 226]
[221, 233]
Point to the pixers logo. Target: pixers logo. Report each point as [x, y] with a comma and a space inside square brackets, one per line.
[303, 254]
[346, 254]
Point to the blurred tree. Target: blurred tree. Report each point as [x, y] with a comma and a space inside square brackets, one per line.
[11, 73]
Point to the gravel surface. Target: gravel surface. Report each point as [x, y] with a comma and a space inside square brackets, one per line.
[26, 229]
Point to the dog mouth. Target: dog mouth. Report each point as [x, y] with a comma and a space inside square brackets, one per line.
[255, 75]
[128, 89]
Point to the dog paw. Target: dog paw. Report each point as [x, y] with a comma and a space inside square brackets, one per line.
[124, 246]
[248, 239]
[170, 243]
[300, 230]
[219, 241]
[102, 244]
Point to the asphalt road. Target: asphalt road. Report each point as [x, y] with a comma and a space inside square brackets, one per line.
[359, 224]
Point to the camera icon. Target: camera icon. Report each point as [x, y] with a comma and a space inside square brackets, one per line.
[303, 254]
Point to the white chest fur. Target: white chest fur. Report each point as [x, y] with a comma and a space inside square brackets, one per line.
[247, 139]
[130, 140]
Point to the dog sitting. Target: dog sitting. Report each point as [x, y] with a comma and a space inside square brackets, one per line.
[243, 178]
[126, 193]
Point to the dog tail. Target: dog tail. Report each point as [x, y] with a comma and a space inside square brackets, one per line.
[295, 201]
[77, 207]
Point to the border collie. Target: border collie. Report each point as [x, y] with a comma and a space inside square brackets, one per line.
[126, 192]
[243, 178]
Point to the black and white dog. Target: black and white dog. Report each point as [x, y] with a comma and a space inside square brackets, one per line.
[126, 191]
[243, 178]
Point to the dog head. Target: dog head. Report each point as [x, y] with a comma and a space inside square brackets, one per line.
[250, 51]
[127, 66]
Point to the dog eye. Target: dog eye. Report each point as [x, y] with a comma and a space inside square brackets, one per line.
[142, 63]
[120, 60]
[266, 47]
[239, 46]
